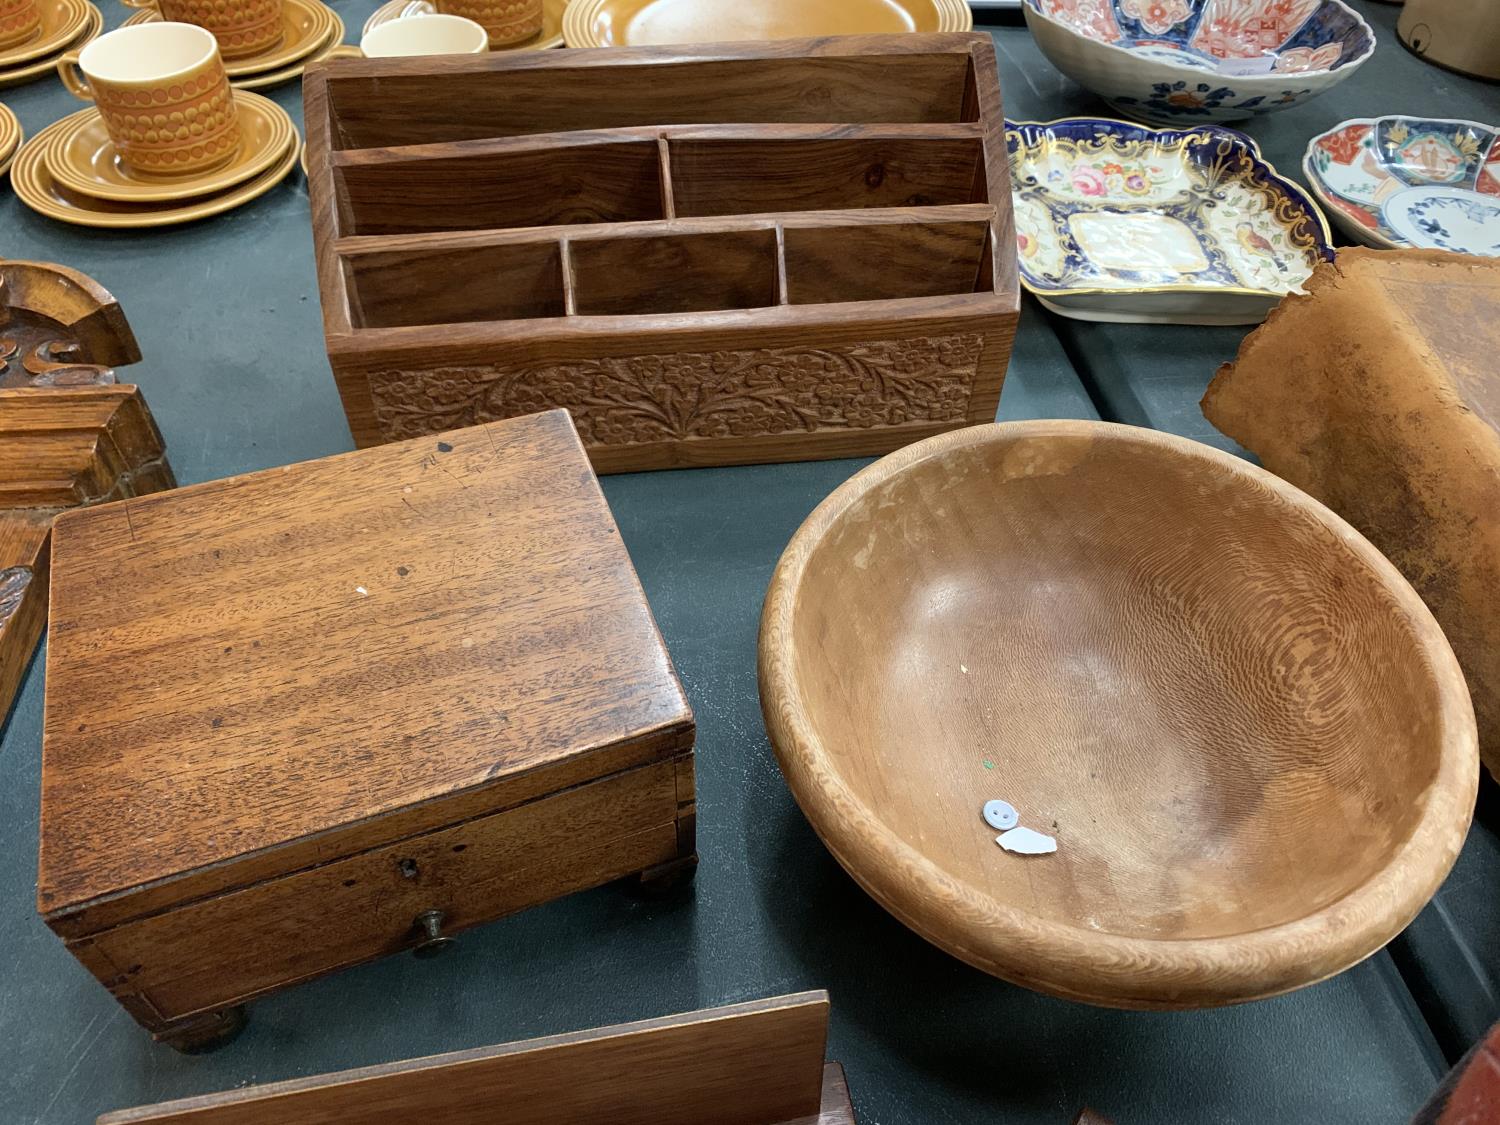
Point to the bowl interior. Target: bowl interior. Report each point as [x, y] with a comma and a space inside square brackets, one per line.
[1220, 709]
[1232, 37]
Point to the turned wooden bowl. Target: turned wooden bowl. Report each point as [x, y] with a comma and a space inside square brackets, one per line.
[1246, 732]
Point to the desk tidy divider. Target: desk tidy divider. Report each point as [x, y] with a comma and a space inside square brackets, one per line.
[709, 255]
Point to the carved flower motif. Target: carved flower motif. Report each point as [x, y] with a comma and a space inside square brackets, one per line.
[647, 398]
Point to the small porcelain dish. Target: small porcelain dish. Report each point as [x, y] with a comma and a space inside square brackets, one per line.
[1175, 61]
[1360, 167]
[1247, 735]
[1118, 222]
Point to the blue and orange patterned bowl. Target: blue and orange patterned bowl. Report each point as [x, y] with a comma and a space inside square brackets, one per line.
[1364, 170]
[1180, 61]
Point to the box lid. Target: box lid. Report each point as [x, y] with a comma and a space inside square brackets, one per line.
[252, 675]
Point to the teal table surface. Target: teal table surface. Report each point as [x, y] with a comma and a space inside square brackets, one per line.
[226, 312]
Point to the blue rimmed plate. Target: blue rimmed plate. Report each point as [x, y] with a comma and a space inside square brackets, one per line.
[1119, 222]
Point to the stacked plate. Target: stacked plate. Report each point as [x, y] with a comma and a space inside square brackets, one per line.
[10, 137]
[70, 171]
[65, 26]
[312, 30]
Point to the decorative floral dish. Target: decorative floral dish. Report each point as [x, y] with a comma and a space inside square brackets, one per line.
[1118, 222]
[1360, 166]
[1173, 61]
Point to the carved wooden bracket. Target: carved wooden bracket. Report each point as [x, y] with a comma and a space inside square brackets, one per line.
[69, 435]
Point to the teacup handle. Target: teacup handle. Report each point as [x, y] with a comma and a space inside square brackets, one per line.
[345, 51]
[72, 77]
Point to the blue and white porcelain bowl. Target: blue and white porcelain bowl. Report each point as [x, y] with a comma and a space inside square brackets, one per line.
[1181, 61]
[1118, 222]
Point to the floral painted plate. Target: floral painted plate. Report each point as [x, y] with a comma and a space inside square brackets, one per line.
[1358, 166]
[1118, 222]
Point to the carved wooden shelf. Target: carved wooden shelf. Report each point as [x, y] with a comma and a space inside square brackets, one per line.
[709, 255]
[69, 434]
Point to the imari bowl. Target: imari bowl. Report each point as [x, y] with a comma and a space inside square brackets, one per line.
[1179, 61]
[1390, 181]
[1118, 222]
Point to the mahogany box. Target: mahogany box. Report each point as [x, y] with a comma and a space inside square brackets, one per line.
[345, 708]
[708, 254]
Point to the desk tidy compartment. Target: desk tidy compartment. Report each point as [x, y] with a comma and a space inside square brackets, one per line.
[709, 255]
[348, 707]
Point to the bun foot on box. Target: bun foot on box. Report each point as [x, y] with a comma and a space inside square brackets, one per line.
[207, 1031]
[665, 878]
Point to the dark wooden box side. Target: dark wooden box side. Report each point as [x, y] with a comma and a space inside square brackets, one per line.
[759, 1063]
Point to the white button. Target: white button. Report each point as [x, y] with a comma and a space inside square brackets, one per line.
[1025, 841]
[1000, 814]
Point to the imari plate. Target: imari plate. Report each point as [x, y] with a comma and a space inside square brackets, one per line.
[1119, 222]
[1359, 167]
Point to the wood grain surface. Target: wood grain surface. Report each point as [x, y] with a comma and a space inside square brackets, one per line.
[759, 1063]
[23, 594]
[641, 277]
[1392, 418]
[347, 643]
[1244, 729]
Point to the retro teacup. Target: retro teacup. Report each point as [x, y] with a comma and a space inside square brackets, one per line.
[19, 20]
[242, 27]
[425, 35]
[163, 94]
[507, 21]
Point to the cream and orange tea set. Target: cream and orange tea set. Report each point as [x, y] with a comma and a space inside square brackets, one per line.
[167, 138]
[34, 34]
[175, 131]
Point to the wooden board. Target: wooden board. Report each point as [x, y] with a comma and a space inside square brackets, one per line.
[759, 1063]
[579, 231]
[336, 645]
[1377, 393]
[23, 595]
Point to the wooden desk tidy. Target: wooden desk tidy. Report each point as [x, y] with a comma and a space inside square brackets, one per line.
[759, 1063]
[345, 708]
[709, 255]
[69, 433]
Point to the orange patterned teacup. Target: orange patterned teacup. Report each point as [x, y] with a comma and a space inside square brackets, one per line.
[19, 20]
[507, 21]
[163, 94]
[242, 27]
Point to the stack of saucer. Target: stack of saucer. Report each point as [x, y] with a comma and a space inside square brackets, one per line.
[310, 31]
[10, 137]
[71, 171]
[65, 25]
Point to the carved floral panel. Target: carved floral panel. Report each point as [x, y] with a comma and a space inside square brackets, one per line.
[629, 400]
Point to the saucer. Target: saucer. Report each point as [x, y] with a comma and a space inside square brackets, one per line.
[83, 158]
[93, 24]
[10, 137]
[550, 36]
[330, 43]
[36, 188]
[62, 20]
[307, 26]
[1446, 218]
